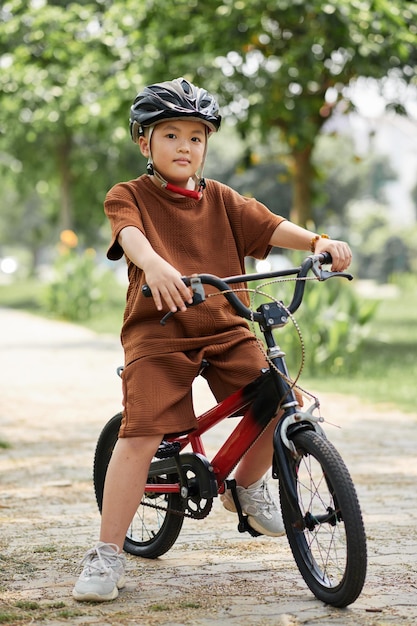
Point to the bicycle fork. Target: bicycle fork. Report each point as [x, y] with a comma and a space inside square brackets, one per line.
[285, 455]
[292, 421]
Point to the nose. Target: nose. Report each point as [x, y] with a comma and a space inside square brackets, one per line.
[184, 146]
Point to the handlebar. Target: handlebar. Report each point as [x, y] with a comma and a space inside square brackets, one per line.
[313, 262]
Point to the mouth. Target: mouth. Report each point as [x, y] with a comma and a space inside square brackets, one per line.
[182, 161]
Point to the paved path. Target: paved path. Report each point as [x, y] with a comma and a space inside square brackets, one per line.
[58, 387]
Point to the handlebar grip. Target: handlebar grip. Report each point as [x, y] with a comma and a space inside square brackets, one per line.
[325, 258]
[146, 290]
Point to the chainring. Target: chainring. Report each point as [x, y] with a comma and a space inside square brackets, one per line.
[199, 509]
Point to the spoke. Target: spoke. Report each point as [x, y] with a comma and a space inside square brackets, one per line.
[324, 535]
[147, 522]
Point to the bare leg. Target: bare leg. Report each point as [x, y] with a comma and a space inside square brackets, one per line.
[258, 460]
[124, 485]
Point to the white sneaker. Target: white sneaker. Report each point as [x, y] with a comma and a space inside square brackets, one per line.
[102, 576]
[257, 503]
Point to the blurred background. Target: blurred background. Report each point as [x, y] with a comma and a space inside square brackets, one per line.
[319, 105]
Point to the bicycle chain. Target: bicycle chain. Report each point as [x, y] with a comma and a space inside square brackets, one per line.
[194, 515]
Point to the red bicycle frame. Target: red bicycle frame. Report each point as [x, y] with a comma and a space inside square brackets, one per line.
[257, 402]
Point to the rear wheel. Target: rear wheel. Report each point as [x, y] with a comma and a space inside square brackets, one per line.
[159, 518]
[330, 551]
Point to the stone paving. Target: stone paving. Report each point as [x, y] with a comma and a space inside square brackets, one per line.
[58, 388]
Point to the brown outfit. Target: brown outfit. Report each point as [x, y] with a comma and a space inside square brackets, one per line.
[213, 235]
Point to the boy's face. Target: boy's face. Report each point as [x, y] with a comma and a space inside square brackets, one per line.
[178, 148]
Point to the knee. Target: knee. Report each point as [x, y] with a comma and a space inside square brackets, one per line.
[145, 446]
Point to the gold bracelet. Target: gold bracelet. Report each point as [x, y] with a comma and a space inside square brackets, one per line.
[315, 239]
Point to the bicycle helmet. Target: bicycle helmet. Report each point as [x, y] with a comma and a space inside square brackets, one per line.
[174, 99]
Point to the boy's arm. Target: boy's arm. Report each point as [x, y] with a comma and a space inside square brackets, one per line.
[293, 237]
[163, 279]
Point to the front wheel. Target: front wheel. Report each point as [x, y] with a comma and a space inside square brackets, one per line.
[329, 546]
[159, 518]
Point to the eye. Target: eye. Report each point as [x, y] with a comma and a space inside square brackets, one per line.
[171, 135]
[196, 139]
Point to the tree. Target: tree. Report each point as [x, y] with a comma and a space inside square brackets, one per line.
[60, 93]
[69, 71]
[347, 178]
[283, 64]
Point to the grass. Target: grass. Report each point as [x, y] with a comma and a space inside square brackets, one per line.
[386, 373]
[27, 612]
[388, 368]
[22, 294]
[28, 295]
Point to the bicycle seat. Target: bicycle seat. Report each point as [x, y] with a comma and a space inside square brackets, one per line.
[167, 449]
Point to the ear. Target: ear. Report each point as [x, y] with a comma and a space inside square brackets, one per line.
[144, 145]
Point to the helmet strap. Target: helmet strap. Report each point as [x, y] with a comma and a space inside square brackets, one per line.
[197, 194]
[189, 193]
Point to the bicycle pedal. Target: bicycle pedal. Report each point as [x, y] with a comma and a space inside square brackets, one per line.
[168, 449]
[245, 527]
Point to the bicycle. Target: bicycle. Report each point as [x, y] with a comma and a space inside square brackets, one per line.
[320, 508]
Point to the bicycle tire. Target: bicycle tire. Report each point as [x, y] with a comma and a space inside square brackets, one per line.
[152, 531]
[331, 555]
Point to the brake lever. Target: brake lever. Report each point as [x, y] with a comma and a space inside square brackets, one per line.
[322, 274]
[199, 295]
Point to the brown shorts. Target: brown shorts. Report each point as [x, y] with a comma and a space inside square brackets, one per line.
[157, 389]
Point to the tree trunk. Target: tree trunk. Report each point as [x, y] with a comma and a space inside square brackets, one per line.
[65, 219]
[301, 210]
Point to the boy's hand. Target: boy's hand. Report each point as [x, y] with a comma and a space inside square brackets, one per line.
[293, 237]
[166, 285]
[340, 251]
[163, 279]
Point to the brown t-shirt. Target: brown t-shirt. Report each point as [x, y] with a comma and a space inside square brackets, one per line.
[211, 236]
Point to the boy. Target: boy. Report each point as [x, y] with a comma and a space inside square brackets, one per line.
[170, 223]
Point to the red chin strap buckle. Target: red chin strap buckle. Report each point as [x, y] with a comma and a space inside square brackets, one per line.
[189, 193]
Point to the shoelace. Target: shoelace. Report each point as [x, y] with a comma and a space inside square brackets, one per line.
[263, 497]
[94, 560]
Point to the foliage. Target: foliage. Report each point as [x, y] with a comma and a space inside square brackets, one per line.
[333, 321]
[79, 288]
[387, 351]
[343, 179]
[381, 250]
[386, 371]
[27, 221]
[283, 65]
[69, 71]
[60, 88]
